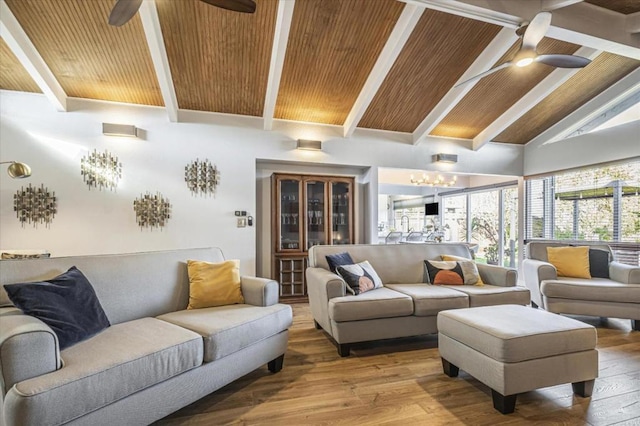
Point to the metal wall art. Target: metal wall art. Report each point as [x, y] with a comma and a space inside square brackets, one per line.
[152, 211]
[101, 170]
[202, 177]
[35, 205]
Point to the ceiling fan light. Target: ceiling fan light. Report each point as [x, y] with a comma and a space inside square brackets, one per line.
[524, 62]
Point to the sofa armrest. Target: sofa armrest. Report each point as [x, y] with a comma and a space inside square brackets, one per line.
[28, 348]
[622, 273]
[323, 285]
[260, 291]
[498, 275]
[535, 271]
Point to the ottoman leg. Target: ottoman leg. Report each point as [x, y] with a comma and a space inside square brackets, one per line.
[450, 369]
[584, 389]
[318, 326]
[635, 325]
[502, 403]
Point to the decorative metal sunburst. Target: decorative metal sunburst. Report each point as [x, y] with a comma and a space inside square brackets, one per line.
[101, 170]
[152, 211]
[35, 205]
[202, 177]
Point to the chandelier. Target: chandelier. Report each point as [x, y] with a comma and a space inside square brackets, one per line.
[202, 177]
[437, 181]
[101, 170]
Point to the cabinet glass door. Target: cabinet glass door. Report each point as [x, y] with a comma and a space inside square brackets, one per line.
[290, 220]
[340, 213]
[316, 221]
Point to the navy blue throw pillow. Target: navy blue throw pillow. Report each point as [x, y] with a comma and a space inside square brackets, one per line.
[338, 259]
[67, 303]
[599, 263]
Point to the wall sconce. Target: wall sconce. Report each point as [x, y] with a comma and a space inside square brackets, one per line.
[309, 145]
[437, 181]
[152, 211]
[101, 170]
[17, 170]
[35, 205]
[446, 158]
[110, 129]
[202, 177]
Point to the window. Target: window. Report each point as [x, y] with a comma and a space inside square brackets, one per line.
[594, 204]
[455, 218]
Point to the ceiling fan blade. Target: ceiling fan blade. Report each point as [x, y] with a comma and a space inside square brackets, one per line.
[123, 11]
[245, 6]
[536, 30]
[484, 74]
[563, 61]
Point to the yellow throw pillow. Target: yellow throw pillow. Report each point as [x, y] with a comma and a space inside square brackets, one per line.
[449, 257]
[214, 284]
[570, 261]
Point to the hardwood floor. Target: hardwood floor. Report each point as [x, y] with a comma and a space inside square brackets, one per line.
[400, 382]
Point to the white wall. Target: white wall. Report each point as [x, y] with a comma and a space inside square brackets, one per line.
[91, 222]
[612, 144]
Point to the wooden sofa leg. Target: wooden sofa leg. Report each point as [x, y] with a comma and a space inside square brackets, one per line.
[504, 404]
[318, 326]
[344, 349]
[275, 365]
[450, 369]
[635, 325]
[583, 389]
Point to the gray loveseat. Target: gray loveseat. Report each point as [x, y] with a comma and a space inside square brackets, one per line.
[405, 306]
[154, 359]
[617, 296]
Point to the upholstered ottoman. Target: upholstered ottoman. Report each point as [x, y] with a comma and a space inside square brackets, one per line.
[514, 349]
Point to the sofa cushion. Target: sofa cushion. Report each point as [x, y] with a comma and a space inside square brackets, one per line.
[570, 261]
[428, 299]
[453, 272]
[360, 277]
[214, 283]
[598, 263]
[596, 289]
[67, 303]
[338, 259]
[379, 303]
[120, 361]
[228, 329]
[494, 295]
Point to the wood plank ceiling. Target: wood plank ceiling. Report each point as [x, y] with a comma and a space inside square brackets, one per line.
[220, 62]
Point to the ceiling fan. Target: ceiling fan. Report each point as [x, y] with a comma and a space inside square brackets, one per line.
[124, 10]
[531, 35]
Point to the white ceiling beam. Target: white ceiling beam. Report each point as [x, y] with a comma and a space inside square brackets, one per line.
[581, 23]
[153, 34]
[632, 24]
[278, 52]
[404, 27]
[494, 51]
[25, 51]
[550, 5]
[543, 89]
[616, 93]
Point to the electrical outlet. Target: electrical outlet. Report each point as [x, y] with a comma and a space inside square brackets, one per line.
[242, 222]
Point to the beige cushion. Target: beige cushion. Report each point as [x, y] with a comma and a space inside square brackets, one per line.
[430, 299]
[488, 295]
[228, 329]
[598, 289]
[378, 303]
[214, 284]
[513, 333]
[122, 360]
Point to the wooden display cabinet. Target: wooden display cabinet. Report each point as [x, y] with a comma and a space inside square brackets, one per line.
[308, 210]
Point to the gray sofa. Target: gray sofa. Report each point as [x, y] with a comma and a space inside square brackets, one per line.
[154, 359]
[614, 297]
[405, 306]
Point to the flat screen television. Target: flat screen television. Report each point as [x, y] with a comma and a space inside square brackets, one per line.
[432, 209]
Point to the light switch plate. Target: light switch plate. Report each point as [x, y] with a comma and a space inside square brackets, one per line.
[242, 222]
